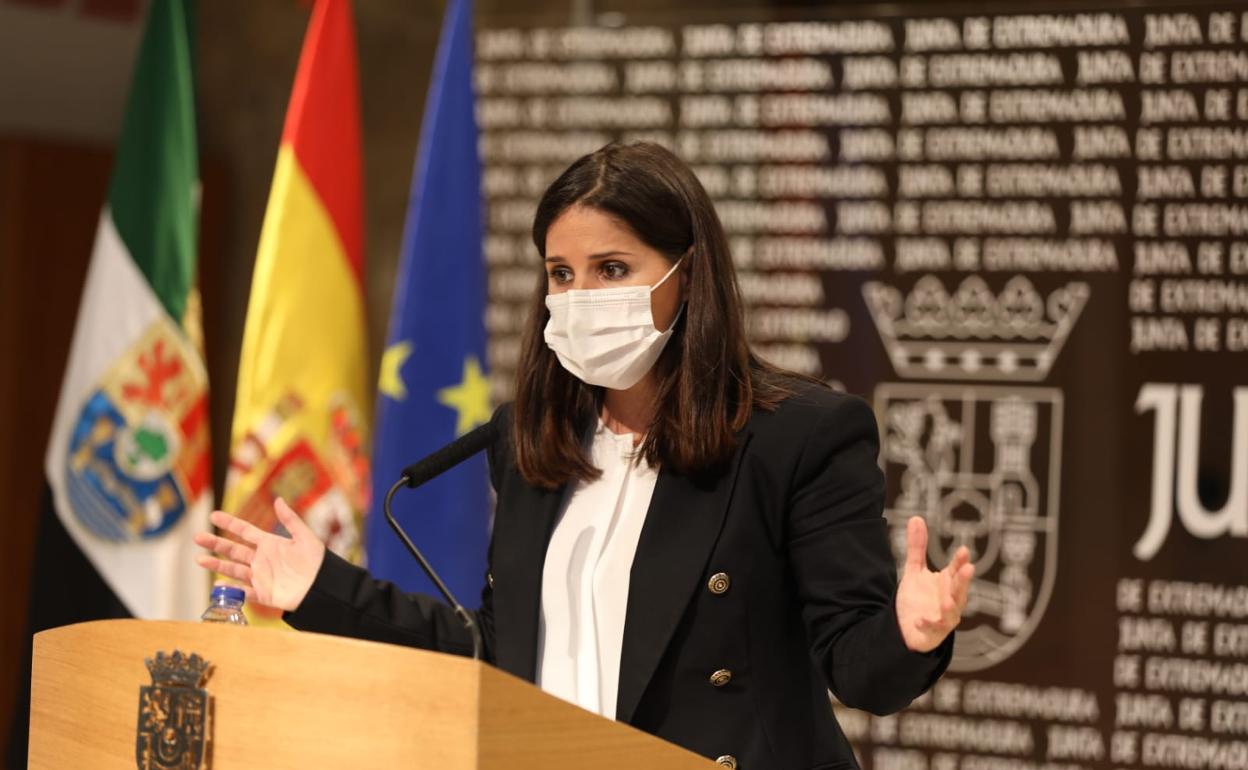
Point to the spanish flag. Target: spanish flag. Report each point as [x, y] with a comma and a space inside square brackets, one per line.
[300, 414]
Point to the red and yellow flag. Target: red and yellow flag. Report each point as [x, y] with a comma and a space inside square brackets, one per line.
[301, 412]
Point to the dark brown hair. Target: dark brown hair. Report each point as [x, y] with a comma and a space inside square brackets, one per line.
[709, 381]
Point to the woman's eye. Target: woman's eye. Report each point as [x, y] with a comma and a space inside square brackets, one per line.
[615, 270]
[560, 275]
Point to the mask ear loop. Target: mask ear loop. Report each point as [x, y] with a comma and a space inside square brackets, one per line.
[679, 311]
[663, 280]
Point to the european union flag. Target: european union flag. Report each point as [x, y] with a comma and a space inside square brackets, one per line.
[433, 386]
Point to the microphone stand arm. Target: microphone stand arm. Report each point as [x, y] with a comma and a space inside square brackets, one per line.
[464, 615]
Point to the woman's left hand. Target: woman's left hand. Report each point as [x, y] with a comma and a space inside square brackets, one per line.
[930, 604]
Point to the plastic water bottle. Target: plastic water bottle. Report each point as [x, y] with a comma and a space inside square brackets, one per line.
[226, 606]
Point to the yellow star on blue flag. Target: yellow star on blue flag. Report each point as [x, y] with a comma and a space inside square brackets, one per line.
[390, 381]
[470, 398]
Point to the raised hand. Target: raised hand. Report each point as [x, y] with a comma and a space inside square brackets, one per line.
[275, 571]
[930, 604]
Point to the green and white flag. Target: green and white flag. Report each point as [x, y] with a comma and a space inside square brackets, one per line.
[128, 460]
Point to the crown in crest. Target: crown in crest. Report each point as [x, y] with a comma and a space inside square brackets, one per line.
[178, 670]
[974, 333]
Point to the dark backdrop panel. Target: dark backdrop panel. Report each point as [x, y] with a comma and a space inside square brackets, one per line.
[1020, 233]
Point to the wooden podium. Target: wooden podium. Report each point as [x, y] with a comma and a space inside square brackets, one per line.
[285, 699]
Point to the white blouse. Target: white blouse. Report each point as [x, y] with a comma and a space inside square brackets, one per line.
[585, 578]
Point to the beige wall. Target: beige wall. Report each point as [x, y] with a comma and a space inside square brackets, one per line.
[63, 73]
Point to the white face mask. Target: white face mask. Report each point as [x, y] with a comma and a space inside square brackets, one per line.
[607, 337]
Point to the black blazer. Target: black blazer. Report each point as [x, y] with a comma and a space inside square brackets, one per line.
[752, 593]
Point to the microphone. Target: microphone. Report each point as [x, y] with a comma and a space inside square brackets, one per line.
[418, 473]
[450, 455]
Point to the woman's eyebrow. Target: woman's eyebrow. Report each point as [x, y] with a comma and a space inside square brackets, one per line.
[603, 255]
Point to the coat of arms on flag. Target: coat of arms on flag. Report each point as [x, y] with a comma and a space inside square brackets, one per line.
[138, 454]
[327, 485]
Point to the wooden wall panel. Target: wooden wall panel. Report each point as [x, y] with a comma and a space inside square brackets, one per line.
[50, 198]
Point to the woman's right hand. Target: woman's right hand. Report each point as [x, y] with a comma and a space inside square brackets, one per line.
[275, 571]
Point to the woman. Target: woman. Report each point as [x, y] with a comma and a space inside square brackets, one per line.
[687, 539]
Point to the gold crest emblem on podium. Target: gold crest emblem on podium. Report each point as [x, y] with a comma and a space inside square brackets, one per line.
[175, 714]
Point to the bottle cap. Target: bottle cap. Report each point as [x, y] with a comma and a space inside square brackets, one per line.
[229, 593]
